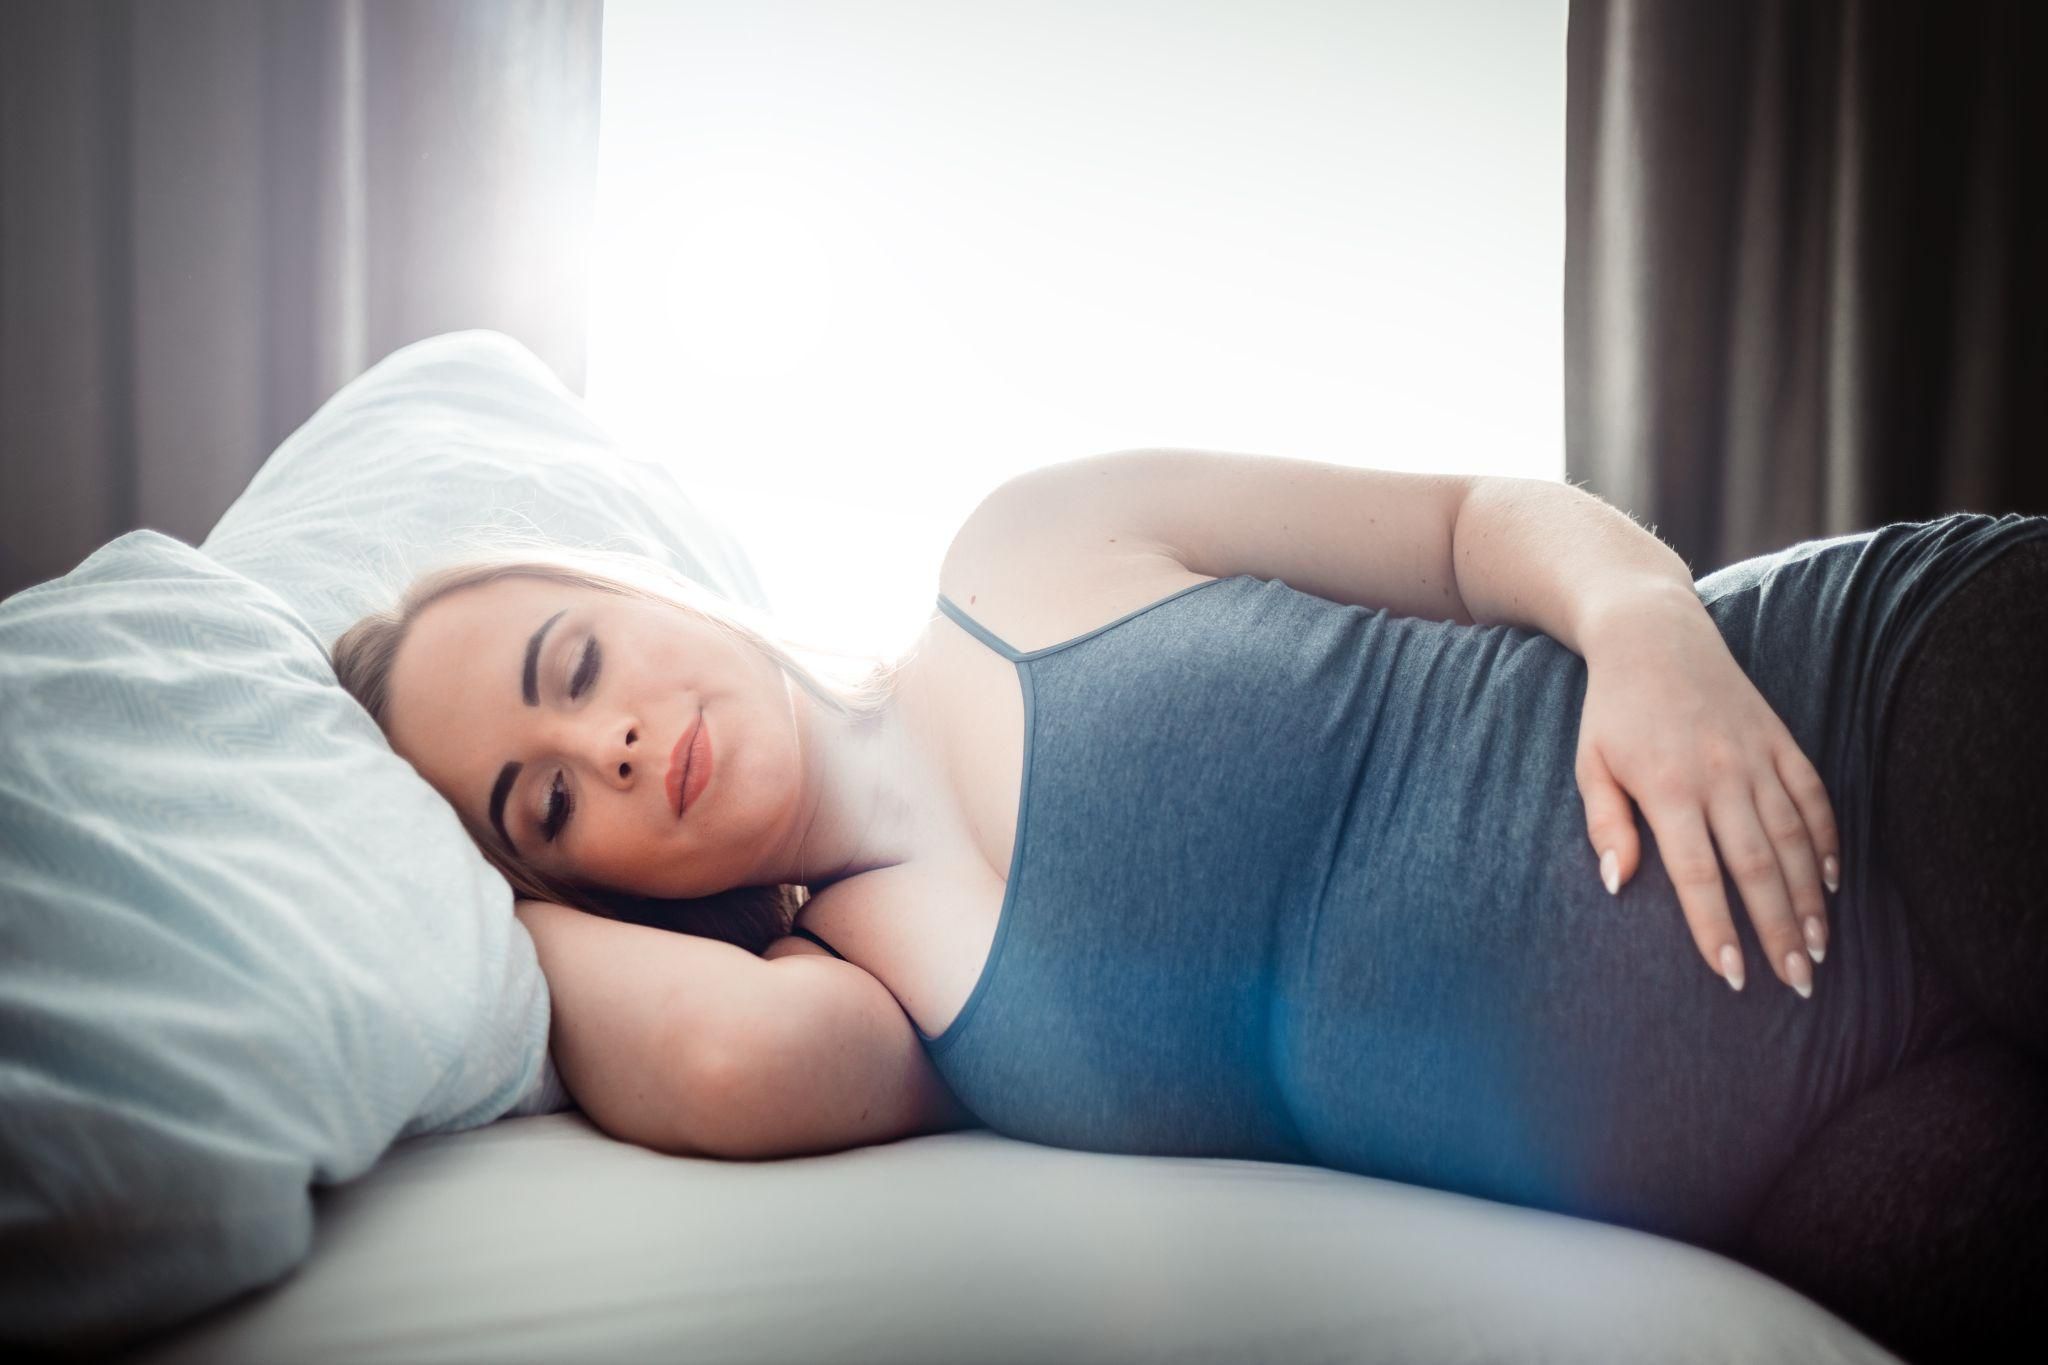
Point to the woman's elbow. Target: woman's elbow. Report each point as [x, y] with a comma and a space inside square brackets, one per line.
[721, 1111]
[830, 1063]
[745, 1099]
[686, 1105]
[798, 1087]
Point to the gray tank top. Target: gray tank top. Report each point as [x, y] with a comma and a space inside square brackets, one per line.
[1301, 881]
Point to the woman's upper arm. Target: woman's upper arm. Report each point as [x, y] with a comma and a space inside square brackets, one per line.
[643, 1019]
[841, 1067]
[1366, 537]
[692, 1046]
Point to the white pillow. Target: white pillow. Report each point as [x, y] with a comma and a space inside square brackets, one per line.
[243, 946]
[436, 443]
[243, 951]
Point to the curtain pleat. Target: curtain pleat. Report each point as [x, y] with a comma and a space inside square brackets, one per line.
[1804, 294]
[214, 213]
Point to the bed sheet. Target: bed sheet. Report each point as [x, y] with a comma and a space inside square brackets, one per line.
[541, 1239]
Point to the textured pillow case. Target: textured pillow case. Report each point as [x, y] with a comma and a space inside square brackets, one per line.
[211, 996]
[245, 945]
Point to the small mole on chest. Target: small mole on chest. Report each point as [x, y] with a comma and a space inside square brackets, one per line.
[970, 599]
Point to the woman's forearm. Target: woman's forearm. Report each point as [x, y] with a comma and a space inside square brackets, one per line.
[1550, 557]
[640, 1020]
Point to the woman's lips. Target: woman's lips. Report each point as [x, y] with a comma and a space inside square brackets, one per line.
[697, 775]
[678, 766]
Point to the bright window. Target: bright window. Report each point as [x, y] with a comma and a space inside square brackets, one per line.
[857, 261]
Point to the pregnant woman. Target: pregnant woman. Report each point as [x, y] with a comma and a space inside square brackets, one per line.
[1440, 829]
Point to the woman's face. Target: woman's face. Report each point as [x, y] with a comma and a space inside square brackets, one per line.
[549, 714]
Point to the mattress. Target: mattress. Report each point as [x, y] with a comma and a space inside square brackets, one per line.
[541, 1239]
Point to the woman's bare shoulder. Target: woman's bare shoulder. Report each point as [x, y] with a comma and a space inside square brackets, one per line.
[1038, 573]
[1348, 533]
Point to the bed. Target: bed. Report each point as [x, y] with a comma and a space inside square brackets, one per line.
[541, 1239]
[273, 1071]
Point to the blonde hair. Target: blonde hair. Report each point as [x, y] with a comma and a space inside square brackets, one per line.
[749, 916]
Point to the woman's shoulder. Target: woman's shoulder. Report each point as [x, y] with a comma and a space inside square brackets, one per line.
[1038, 587]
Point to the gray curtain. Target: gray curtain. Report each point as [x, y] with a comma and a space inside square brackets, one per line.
[214, 213]
[1804, 280]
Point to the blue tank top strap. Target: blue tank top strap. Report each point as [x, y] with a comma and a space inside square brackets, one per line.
[1003, 647]
[977, 630]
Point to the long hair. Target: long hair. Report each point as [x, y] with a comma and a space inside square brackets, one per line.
[750, 916]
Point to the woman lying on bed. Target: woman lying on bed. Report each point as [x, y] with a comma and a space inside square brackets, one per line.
[1248, 807]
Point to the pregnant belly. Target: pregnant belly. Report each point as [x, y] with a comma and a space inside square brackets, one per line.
[1473, 1012]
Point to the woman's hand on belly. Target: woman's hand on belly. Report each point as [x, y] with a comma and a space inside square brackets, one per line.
[1671, 720]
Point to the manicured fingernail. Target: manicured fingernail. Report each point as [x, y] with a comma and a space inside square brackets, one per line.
[1801, 974]
[1731, 966]
[1831, 872]
[1610, 872]
[1816, 939]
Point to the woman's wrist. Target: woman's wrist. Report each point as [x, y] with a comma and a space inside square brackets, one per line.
[1619, 619]
[1554, 558]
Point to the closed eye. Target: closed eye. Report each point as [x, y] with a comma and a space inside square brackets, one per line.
[586, 672]
[560, 804]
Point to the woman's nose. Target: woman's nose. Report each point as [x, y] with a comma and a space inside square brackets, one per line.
[619, 756]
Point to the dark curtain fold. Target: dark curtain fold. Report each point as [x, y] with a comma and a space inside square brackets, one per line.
[1804, 287]
[214, 213]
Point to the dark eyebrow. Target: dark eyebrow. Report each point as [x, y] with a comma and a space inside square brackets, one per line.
[507, 775]
[529, 685]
